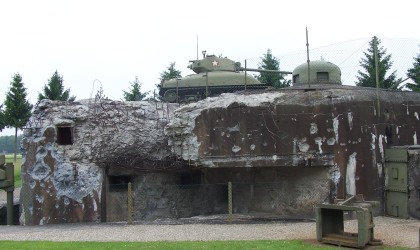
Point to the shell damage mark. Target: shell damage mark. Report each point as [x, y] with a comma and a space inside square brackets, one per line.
[302, 145]
[351, 175]
[234, 128]
[236, 149]
[415, 138]
[350, 119]
[252, 147]
[313, 129]
[416, 115]
[331, 141]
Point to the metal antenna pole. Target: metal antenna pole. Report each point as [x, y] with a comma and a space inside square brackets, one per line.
[307, 55]
[377, 76]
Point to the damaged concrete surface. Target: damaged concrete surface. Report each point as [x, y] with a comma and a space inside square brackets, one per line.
[63, 174]
[338, 126]
[283, 150]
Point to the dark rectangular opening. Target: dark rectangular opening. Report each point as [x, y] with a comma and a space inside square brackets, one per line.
[64, 135]
[190, 179]
[119, 183]
[296, 78]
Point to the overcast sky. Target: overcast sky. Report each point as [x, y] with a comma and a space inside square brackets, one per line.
[110, 42]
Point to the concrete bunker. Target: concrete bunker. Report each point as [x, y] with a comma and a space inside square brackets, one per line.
[284, 151]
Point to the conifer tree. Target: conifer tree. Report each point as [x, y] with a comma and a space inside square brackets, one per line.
[414, 74]
[270, 62]
[367, 77]
[17, 107]
[54, 90]
[135, 93]
[168, 74]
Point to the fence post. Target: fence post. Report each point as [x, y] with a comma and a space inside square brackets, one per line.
[230, 201]
[129, 204]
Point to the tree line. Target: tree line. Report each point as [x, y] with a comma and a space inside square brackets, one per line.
[7, 143]
[16, 109]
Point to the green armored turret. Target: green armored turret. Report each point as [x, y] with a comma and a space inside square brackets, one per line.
[214, 75]
[320, 72]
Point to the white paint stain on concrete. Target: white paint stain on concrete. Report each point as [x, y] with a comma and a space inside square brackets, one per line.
[381, 147]
[380, 169]
[373, 149]
[319, 141]
[415, 138]
[416, 115]
[351, 175]
[334, 175]
[252, 147]
[335, 126]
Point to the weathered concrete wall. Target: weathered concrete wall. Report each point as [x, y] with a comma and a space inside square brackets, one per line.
[285, 192]
[339, 126]
[64, 183]
[283, 150]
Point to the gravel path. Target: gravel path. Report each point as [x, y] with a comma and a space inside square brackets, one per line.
[392, 232]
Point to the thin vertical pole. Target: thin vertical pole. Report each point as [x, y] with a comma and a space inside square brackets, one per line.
[245, 74]
[230, 201]
[307, 55]
[10, 207]
[177, 91]
[207, 84]
[129, 204]
[9, 167]
[377, 76]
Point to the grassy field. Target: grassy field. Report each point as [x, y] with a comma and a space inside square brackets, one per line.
[9, 158]
[260, 244]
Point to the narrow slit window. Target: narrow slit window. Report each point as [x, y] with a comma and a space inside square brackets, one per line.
[64, 135]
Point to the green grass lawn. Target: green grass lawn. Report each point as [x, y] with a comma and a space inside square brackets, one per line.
[9, 158]
[239, 245]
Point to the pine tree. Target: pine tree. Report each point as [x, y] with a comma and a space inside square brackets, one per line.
[170, 73]
[414, 75]
[135, 94]
[54, 90]
[270, 62]
[367, 78]
[17, 108]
